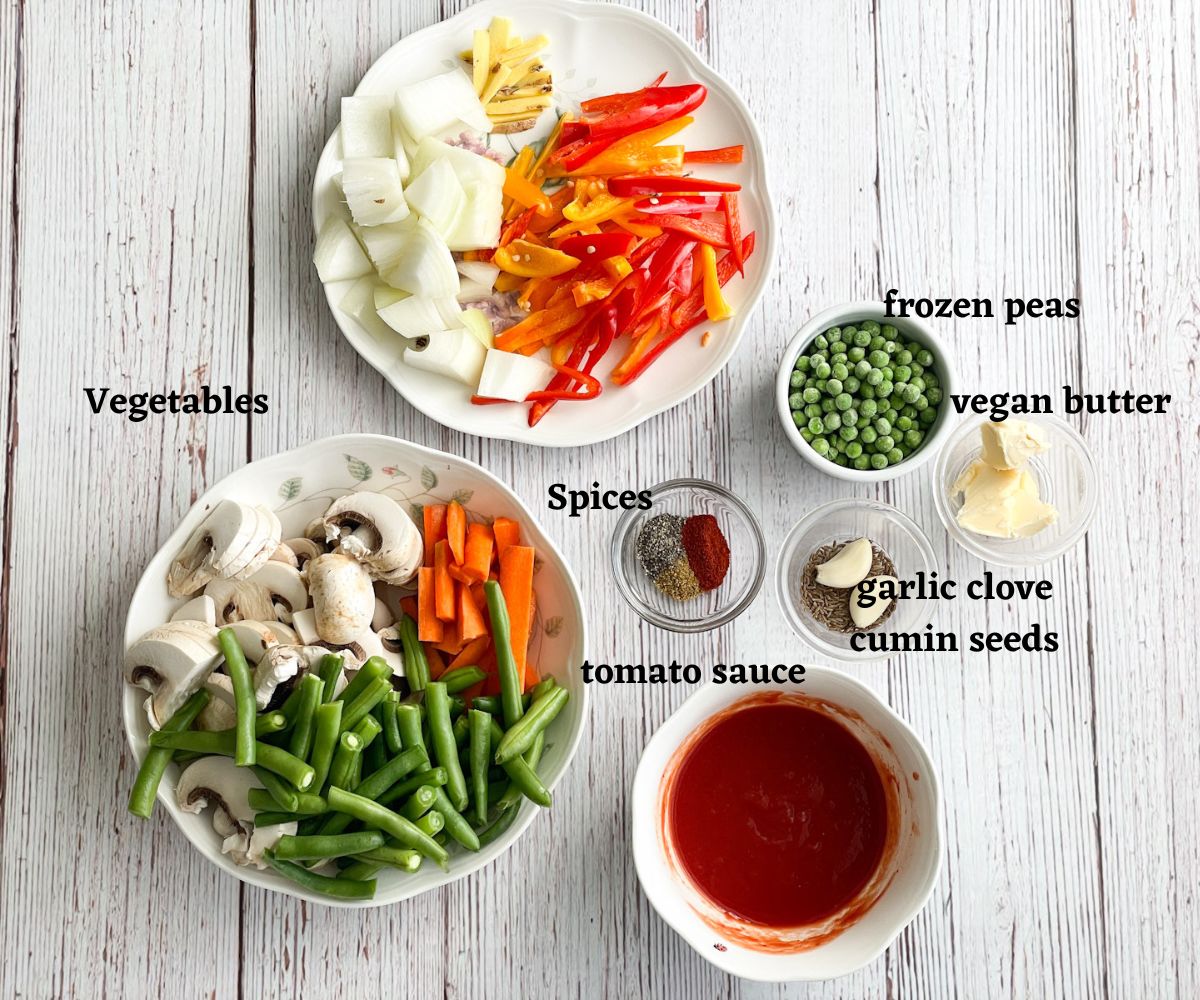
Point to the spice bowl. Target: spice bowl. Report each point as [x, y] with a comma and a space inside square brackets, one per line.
[891, 531]
[710, 609]
[1066, 477]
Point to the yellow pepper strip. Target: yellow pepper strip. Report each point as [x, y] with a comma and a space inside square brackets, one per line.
[584, 292]
[508, 282]
[645, 230]
[548, 147]
[532, 261]
[637, 350]
[616, 267]
[599, 209]
[714, 302]
[525, 192]
[510, 205]
[654, 160]
[560, 350]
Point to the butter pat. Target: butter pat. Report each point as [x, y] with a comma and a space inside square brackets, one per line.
[1011, 443]
[1000, 495]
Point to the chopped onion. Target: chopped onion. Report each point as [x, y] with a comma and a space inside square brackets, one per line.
[470, 168]
[385, 295]
[472, 291]
[435, 194]
[359, 302]
[479, 271]
[337, 254]
[456, 354]
[418, 316]
[479, 224]
[430, 107]
[424, 265]
[386, 243]
[374, 190]
[477, 323]
[367, 127]
[513, 376]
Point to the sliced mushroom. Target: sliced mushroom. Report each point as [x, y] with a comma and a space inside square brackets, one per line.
[315, 530]
[285, 586]
[374, 529]
[269, 532]
[304, 549]
[240, 600]
[198, 609]
[342, 597]
[172, 662]
[220, 783]
[393, 649]
[223, 545]
[305, 624]
[221, 710]
[280, 664]
[284, 554]
[256, 637]
[383, 617]
[361, 649]
[262, 838]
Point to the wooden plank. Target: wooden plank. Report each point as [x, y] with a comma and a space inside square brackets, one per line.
[131, 263]
[1136, 90]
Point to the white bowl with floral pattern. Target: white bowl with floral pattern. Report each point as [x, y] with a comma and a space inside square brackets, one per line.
[298, 485]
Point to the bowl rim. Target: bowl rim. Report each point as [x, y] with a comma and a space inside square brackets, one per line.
[647, 851]
[131, 714]
[688, 627]
[759, 181]
[994, 555]
[864, 308]
[792, 617]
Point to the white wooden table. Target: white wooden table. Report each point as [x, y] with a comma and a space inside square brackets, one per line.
[155, 169]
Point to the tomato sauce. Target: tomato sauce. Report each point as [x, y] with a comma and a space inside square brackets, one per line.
[778, 814]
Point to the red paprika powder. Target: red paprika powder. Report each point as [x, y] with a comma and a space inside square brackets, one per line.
[707, 550]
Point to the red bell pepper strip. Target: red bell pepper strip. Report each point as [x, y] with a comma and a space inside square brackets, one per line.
[638, 187]
[733, 223]
[576, 154]
[598, 246]
[611, 102]
[726, 154]
[540, 408]
[646, 248]
[675, 253]
[516, 229]
[679, 204]
[691, 310]
[591, 387]
[654, 106]
[713, 233]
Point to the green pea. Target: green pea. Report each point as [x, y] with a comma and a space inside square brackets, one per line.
[843, 401]
[884, 389]
[895, 456]
[928, 416]
[892, 413]
[839, 359]
[841, 460]
[903, 373]
[879, 461]
[862, 368]
[827, 404]
[812, 410]
[891, 347]
[922, 403]
[832, 421]
[856, 355]
[850, 416]
[802, 363]
[909, 411]
[833, 333]
[838, 347]
[924, 358]
[833, 386]
[848, 433]
[812, 395]
[877, 358]
[869, 325]
[862, 463]
[934, 395]
[839, 445]
[822, 370]
[904, 423]
[847, 333]
[820, 445]
[889, 373]
[889, 331]
[821, 384]
[795, 401]
[885, 443]
[851, 385]
[868, 435]
[918, 382]
[796, 380]
[917, 370]
[912, 394]
[931, 380]
[816, 425]
[912, 346]
[877, 342]
[816, 359]
[874, 377]
[862, 337]
[868, 408]
[799, 419]
[913, 438]
[904, 357]
[883, 425]
[840, 371]
[821, 342]
[805, 433]
[854, 449]
[866, 391]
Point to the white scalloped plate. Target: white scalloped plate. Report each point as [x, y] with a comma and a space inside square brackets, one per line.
[594, 49]
[298, 485]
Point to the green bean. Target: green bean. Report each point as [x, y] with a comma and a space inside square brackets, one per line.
[310, 688]
[275, 790]
[353, 712]
[309, 804]
[458, 706]
[408, 720]
[391, 731]
[420, 802]
[245, 746]
[431, 823]
[374, 755]
[541, 713]
[184, 757]
[327, 731]
[270, 722]
[532, 759]
[291, 704]
[329, 671]
[306, 804]
[433, 776]
[272, 758]
[506, 664]
[462, 731]
[522, 774]
[377, 783]
[498, 826]
[362, 871]
[376, 668]
[274, 817]
[461, 678]
[374, 815]
[344, 887]
[481, 743]
[340, 769]
[367, 729]
[416, 667]
[437, 707]
[154, 764]
[456, 824]
[490, 703]
[318, 848]
[403, 858]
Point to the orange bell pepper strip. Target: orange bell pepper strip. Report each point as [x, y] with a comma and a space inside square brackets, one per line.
[642, 338]
[640, 227]
[434, 518]
[714, 302]
[539, 326]
[523, 191]
[518, 166]
[616, 267]
[521, 257]
[456, 530]
[584, 292]
[508, 282]
[429, 626]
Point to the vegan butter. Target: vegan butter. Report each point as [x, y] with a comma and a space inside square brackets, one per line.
[1000, 495]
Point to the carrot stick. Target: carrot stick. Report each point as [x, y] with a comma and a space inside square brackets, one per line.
[435, 528]
[429, 628]
[516, 582]
[471, 653]
[507, 532]
[443, 583]
[437, 666]
[479, 552]
[456, 529]
[460, 574]
[470, 618]
[409, 606]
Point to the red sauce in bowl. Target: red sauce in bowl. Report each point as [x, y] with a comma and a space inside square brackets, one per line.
[778, 814]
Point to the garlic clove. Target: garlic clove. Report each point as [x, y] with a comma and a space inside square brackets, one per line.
[866, 617]
[849, 567]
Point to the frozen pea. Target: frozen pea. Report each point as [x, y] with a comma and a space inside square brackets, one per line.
[898, 387]
[931, 379]
[883, 425]
[890, 347]
[891, 414]
[874, 377]
[850, 416]
[840, 445]
[833, 386]
[848, 433]
[816, 425]
[822, 370]
[934, 395]
[909, 411]
[889, 331]
[877, 342]
[904, 357]
[805, 433]
[877, 358]
[832, 421]
[821, 342]
[862, 337]
[826, 405]
[802, 363]
[922, 403]
[924, 358]
[833, 333]
[820, 445]
[916, 369]
[879, 461]
[885, 443]
[912, 394]
[862, 368]
[918, 382]
[912, 346]
[799, 419]
[797, 380]
[913, 438]
[843, 401]
[840, 371]
[866, 391]
[869, 325]
[848, 332]
[851, 384]
[903, 373]
[854, 449]
[795, 401]
[812, 410]
[884, 389]
[841, 460]
[856, 355]
[904, 423]
[928, 416]
[862, 463]
[839, 359]
[895, 456]
[812, 395]
[868, 435]
[868, 408]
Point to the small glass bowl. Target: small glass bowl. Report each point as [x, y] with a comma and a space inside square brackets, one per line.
[843, 521]
[747, 558]
[1066, 477]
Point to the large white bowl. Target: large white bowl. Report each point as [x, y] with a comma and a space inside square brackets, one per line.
[299, 485]
[595, 48]
[913, 868]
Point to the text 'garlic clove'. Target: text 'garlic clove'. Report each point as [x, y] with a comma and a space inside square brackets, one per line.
[849, 567]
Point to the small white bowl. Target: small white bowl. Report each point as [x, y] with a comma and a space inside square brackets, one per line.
[299, 485]
[913, 867]
[1066, 477]
[855, 312]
